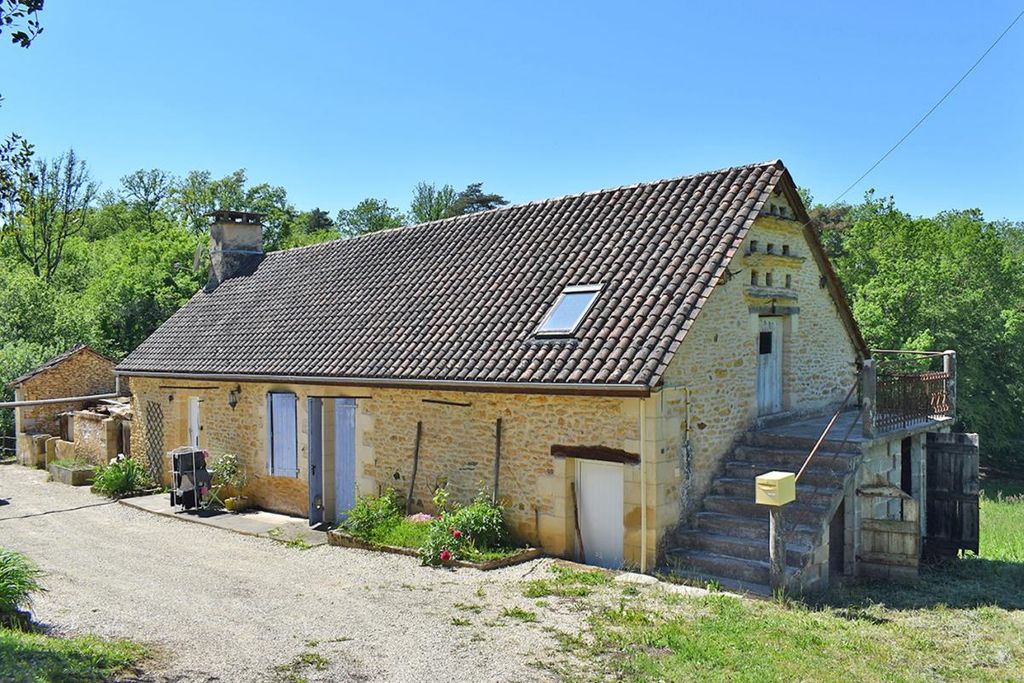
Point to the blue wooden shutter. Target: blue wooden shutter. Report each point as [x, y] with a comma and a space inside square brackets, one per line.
[283, 455]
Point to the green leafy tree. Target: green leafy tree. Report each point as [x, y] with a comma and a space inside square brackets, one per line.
[56, 198]
[474, 199]
[369, 215]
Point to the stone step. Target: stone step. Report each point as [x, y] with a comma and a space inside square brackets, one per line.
[769, 440]
[735, 546]
[814, 476]
[798, 512]
[743, 487]
[792, 460]
[747, 527]
[711, 564]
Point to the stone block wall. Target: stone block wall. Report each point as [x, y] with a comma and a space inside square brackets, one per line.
[80, 374]
[711, 383]
[456, 449]
[96, 437]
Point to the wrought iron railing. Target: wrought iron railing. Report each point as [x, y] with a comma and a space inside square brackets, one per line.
[8, 446]
[907, 388]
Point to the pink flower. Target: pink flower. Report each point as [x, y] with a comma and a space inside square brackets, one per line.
[456, 533]
[445, 555]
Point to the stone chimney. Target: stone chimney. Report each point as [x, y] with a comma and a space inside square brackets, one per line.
[236, 245]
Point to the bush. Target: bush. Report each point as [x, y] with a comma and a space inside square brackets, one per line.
[228, 470]
[123, 475]
[19, 578]
[372, 516]
[483, 522]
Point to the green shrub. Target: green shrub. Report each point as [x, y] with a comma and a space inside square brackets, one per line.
[483, 522]
[123, 475]
[373, 515]
[19, 579]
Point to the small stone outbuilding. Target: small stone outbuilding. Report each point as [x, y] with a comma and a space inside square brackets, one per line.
[78, 372]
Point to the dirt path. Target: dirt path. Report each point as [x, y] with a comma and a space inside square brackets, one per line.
[225, 607]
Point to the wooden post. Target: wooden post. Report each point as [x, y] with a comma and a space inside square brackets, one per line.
[949, 367]
[415, 466]
[869, 388]
[776, 549]
[497, 459]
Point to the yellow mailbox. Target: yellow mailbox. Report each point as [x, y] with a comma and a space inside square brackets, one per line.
[775, 488]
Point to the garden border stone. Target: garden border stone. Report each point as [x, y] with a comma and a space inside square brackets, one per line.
[79, 476]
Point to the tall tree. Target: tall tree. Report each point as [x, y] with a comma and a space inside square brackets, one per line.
[369, 215]
[474, 199]
[432, 203]
[146, 192]
[56, 200]
[318, 220]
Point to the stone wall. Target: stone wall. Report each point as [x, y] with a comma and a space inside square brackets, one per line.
[96, 437]
[80, 374]
[457, 446]
[713, 376]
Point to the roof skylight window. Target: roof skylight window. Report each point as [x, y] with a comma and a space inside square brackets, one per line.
[569, 310]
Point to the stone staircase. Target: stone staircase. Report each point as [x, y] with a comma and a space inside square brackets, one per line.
[728, 540]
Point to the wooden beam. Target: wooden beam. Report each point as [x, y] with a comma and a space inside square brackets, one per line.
[602, 453]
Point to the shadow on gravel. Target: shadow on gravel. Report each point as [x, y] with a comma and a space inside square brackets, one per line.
[56, 512]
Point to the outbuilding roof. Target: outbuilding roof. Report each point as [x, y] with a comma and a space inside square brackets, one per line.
[460, 300]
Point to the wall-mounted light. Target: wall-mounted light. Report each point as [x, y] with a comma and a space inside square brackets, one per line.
[233, 396]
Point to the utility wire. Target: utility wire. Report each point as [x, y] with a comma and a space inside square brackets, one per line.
[929, 112]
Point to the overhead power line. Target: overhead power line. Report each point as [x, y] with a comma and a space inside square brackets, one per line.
[929, 112]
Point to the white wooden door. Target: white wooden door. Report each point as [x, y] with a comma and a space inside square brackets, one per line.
[599, 495]
[193, 422]
[769, 366]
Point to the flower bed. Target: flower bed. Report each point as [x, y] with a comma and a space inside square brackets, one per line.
[471, 536]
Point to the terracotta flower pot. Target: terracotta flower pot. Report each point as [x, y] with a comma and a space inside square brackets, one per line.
[236, 503]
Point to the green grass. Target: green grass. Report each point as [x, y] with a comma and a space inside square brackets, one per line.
[404, 534]
[37, 658]
[19, 579]
[73, 464]
[964, 620]
[519, 613]
[567, 582]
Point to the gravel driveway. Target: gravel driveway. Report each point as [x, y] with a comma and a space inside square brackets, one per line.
[219, 606]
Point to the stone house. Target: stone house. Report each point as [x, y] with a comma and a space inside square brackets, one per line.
[49, 398]
[600, 357]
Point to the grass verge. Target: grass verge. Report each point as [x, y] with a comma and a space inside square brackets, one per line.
[38, 658]
[963, 620]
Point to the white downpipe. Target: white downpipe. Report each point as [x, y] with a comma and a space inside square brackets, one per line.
[643, 494]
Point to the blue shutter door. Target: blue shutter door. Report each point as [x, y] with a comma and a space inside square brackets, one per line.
[316, 461]
[285, 461]
[344, 456]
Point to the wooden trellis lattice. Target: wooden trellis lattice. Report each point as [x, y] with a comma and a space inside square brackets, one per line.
[155, 440]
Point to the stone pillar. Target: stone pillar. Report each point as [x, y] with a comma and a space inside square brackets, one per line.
[869, 385]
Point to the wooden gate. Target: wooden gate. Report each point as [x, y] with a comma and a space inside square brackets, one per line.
[951, 523]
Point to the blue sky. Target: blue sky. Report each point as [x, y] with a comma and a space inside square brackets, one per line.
[343, 100]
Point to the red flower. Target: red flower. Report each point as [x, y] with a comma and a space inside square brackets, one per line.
[445, 555]
[456, 533]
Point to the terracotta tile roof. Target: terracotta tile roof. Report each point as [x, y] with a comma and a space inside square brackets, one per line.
[55, 361]
[459, 300]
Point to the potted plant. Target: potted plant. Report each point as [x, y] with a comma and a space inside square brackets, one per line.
[229, 471]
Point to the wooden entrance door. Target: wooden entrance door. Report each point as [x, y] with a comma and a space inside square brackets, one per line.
[769, 366]
[951, 520]
[599, 496]
[344, 456]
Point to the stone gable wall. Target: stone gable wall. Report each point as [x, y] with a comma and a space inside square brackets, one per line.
[713, 376]
[81, 374]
